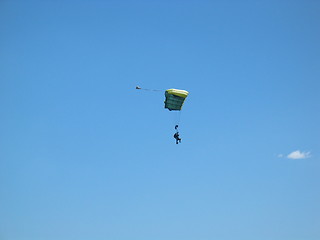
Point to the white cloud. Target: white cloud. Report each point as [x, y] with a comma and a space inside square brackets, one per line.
[299, 155]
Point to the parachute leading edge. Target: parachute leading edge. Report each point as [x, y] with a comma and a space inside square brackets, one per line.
[175, 99]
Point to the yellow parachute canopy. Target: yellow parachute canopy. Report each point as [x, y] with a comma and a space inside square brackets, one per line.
[175, 99]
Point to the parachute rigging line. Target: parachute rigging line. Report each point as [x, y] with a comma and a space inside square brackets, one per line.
[147, 89]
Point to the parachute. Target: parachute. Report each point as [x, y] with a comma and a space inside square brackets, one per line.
[175, 99]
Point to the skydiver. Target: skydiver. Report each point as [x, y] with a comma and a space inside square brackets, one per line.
[176, 136]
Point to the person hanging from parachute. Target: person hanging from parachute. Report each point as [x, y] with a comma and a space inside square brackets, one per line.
[174, 99]
[176, 135]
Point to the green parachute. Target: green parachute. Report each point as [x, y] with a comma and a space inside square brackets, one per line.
[175, 99]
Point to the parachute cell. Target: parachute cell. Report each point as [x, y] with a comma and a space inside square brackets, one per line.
[175, 99]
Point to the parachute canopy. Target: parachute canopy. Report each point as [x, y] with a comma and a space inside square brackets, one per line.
[175, 99]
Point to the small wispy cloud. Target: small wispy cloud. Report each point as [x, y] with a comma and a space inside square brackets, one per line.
[299, 155]
[295, 155]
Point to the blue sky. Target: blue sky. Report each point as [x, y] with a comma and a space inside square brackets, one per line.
[86, 156]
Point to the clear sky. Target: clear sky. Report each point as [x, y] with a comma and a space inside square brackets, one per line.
[83, 155]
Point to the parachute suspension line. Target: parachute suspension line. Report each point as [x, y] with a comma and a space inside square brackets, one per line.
[177, 120]
[147, 89]
[178, 116]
